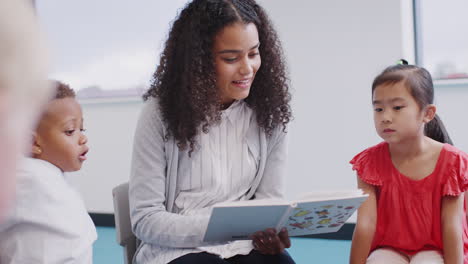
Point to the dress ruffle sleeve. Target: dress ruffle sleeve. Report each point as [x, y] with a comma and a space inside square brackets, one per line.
[365, 165]
[456, 175]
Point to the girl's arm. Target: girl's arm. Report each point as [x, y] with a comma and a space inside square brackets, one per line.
[365, 226]
[452, 215]
[466, 205]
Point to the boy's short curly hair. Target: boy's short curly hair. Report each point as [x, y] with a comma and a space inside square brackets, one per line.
[62, 90]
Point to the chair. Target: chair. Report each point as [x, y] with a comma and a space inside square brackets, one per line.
[125, 236]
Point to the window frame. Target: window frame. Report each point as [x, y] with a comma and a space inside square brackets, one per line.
[418, 49]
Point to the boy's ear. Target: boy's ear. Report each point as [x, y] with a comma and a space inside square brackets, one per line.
[36, 147]
[430, 113]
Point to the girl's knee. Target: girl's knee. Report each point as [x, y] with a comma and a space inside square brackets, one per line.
[427, 257]
[385, 256]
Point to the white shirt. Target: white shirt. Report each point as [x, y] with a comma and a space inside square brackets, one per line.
[48, 223]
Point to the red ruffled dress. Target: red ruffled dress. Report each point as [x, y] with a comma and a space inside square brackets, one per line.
[409, 211]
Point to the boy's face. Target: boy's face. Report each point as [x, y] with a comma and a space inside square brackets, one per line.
[59, 138]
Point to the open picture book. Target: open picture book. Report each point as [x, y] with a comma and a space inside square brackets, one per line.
[312, 213]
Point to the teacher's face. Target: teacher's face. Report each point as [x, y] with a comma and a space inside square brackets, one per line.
[237, 60]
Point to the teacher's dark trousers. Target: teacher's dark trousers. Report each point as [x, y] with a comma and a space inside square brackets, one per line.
[254, 257]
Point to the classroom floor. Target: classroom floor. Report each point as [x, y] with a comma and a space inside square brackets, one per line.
[303, 250]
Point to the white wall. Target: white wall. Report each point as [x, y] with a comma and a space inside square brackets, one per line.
[334, 49]
[452, 103]
[110, 128]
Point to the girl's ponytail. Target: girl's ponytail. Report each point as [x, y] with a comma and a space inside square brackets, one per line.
[435, 129]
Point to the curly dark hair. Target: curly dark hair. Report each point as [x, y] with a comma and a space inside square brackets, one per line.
[185, 80]
[62, 90]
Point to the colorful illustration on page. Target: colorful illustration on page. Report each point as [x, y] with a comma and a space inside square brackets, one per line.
[323, 217]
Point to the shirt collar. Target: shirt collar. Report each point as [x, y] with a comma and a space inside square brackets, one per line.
[232, 112]
[42, 164]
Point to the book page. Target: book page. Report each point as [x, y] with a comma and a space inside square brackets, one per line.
[255, 202]
[316, 217]
[329, 195]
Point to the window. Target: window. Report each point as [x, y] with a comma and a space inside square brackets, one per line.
[442, 39]
[106, 48]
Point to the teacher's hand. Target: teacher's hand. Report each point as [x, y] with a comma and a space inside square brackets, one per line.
[268, 242]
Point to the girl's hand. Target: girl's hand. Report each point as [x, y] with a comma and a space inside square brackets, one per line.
[269, 243]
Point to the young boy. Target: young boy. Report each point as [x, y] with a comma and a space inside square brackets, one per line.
[49, 222]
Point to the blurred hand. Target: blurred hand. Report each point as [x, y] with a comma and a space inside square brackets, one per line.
[268, 242]
[23, 88]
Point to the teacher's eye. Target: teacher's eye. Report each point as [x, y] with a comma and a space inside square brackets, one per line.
[254, 54]
[229, 60]
[69, 132]
[378, 109]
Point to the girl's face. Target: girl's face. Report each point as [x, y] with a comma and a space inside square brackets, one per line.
[237, 60]
[397, 116]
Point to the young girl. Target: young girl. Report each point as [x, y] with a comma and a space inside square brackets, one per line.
[415, 179]
[49, 222]
[212, 130]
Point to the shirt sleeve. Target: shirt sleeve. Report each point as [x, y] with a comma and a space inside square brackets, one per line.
[457, 175]
[272, 184]
[366, 167]
[151, 222]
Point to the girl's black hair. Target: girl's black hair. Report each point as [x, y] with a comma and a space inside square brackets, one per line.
[419, 82]
[185, 80]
